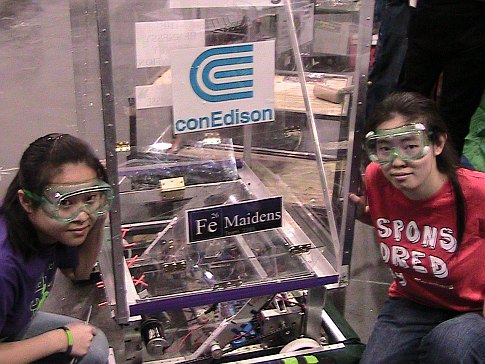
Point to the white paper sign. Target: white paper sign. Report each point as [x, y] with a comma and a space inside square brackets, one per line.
[223, 3]
[223, 86]
[303, 18]
[155, 40]
[153, 96]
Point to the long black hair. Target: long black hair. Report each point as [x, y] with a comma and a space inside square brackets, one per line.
[416, 108]
[40, 162]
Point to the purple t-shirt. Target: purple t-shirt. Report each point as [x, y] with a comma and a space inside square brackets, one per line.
[24, 285]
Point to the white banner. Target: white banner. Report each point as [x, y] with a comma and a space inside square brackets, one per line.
[154, 40]
[223, 86]
[223, 3]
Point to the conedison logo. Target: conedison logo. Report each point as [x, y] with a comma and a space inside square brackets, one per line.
[223, 86]
[223, 73]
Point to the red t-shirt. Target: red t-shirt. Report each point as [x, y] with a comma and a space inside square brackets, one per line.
[418, 241]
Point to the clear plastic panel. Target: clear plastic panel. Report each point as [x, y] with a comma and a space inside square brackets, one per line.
[223, 102]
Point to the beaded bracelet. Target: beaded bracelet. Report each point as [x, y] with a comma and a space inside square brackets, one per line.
[70, 340]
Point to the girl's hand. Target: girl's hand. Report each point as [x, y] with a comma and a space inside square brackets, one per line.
[362, 208]
[82, 336]
[360, 202]
[96, 231]
[88, 251]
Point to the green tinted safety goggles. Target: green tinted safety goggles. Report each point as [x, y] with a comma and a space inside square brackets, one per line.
[408, 142]
[64, 202]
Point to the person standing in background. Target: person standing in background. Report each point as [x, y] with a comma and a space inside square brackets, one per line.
[390, 50]
[447, 38]
[474, 149]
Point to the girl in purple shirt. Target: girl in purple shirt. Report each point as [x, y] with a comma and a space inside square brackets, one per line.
[52, 217]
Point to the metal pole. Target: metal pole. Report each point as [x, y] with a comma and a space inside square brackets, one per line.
[107, 97]
[313, 127]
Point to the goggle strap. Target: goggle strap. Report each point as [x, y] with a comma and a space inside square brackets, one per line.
[32, 195]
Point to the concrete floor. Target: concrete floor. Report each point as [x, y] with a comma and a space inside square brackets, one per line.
[36, 68]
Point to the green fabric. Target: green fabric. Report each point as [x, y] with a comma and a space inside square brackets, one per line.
[474, 149]
[311, 359]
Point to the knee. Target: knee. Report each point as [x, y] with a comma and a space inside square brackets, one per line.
[458, 340]
[99, 351]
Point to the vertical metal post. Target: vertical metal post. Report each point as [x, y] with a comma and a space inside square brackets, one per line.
[357, 120]
[107, 97]
[248, 141]
[313, 309]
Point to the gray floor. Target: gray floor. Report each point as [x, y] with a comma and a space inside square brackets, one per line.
[36, 68]
[369, 282]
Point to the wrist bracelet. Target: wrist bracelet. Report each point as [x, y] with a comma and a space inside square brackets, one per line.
[70, 339]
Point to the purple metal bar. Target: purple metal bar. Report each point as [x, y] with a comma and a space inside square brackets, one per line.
[205, 298]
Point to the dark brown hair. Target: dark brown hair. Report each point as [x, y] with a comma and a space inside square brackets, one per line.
[40, 162]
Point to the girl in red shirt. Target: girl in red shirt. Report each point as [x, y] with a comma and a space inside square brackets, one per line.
[428, 216]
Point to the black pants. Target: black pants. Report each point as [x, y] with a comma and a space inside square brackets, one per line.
[448, 37]
[390, 51]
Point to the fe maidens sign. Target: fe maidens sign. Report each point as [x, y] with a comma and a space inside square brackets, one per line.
[241, 218]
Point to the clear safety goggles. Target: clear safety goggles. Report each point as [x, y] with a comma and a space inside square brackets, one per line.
[408, 142]
[64, 202]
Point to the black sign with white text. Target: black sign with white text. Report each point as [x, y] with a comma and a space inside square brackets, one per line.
[241, 218]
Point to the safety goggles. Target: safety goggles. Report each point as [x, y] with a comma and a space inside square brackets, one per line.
[64, 202]
[408, 142]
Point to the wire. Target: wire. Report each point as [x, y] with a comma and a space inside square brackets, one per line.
[184, 338]
[242, 334]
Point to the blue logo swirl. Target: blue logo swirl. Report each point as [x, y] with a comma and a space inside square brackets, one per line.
[218, 84]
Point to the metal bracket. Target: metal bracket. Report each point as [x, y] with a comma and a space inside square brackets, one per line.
[227, 284]
[300, 249]
[174, 266]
